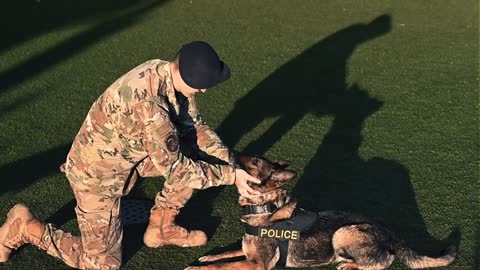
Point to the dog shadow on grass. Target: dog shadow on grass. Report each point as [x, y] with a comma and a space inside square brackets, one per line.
[336, 177]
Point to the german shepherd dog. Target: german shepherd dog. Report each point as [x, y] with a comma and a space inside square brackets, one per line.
[350, 241]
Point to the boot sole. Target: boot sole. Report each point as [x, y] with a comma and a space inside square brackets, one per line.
[161, 243]
[147, 240]
[152, 244]
[165, 243]
[5, 251]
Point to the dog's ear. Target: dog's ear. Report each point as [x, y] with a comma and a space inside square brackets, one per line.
[241, 159]
[279, 179]
[284, 176]
[283, 163]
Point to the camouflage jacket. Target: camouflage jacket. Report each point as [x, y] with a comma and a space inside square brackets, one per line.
[139, 117]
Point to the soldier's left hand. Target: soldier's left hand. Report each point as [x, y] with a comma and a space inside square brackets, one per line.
[241, 181]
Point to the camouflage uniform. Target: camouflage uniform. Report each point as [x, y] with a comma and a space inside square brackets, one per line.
[133, 129]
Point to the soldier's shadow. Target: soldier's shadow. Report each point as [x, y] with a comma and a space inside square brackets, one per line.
[336, 177]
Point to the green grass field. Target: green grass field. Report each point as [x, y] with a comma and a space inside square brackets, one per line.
[374, 102]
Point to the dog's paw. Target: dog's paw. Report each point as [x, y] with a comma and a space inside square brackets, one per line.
[204, 259]
[263, 197]
[257, 219]
[284, 212]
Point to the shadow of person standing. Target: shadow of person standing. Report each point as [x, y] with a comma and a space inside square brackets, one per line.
[336, 177]
[313, 82]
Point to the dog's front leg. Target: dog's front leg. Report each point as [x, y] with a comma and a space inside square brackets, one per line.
[242, 265]
[284, 212]
[226, 255]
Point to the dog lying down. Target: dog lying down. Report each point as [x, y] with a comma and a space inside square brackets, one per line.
[280, 234]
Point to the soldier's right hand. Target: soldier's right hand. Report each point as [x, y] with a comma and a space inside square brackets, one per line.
[241, 181]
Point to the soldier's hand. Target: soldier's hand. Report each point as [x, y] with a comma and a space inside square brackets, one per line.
[241, 181]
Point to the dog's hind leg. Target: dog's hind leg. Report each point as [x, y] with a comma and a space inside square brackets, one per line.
[242, 265]
[344, 260]
[226, 255]
[347, 266]
[362, 244]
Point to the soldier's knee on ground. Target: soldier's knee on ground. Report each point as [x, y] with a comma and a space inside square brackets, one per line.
[102, 261]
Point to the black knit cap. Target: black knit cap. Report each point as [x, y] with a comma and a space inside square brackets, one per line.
[200, 66]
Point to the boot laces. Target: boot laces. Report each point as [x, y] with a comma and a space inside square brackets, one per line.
[18, 235]
[15, 242]
[22, 236]
[179, 228]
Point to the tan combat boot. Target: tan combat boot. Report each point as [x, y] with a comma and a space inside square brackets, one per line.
[162, 230]
[21, 227]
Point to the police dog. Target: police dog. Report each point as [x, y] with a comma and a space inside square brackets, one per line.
[350, 241]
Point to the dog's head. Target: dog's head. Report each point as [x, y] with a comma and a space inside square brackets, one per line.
[273, 175]
[272, 192]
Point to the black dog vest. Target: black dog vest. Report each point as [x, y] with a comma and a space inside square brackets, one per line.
[282, 231]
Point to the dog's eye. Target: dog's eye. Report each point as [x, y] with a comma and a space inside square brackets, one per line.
[255, 161]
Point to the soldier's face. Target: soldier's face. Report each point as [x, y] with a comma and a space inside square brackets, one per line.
[190, 92]
[182, 87]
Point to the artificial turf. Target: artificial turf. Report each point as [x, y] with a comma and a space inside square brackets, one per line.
[375, 103]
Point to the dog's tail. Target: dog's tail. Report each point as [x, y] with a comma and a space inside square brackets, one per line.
[413, 261]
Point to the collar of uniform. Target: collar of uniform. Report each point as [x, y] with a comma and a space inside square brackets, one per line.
[169, 89]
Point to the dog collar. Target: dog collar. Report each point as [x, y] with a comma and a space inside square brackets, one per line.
[259, 209]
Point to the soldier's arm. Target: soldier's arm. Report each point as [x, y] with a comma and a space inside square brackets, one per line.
[207, 140]
[160, 141]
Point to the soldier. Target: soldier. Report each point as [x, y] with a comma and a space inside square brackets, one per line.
[146, 123]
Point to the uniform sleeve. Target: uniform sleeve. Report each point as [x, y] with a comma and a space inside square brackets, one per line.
[160, 141]
[207, 140]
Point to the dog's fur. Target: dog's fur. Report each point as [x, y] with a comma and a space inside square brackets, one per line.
[348, 240]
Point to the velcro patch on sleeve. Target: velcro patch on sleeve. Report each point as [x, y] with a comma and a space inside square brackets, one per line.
[172, 142]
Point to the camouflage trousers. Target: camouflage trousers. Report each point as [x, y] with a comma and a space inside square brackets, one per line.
[99, 246]
[172, 195]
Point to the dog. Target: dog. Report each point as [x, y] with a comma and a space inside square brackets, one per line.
[279, 233]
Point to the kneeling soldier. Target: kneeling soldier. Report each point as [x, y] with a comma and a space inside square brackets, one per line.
[146, 123]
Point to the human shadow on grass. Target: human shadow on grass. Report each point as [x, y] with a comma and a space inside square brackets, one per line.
[22, 173]
[313, 82]
[68, 48]
[17, 104]
[28, 19]
[336, 177]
